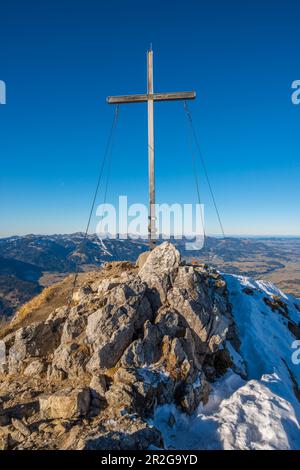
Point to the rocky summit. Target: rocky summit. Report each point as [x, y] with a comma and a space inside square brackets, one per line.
[135, 338]
[88, 376]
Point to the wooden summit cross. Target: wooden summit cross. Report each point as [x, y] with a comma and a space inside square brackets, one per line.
[150, 97]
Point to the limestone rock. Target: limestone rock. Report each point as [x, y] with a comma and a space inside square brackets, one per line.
[142, 352]
[130, 439]
[21, 427]
[111, 328]
[66, 404]
[58, 316]
[176, 361]
[81, 293]
[191, 395]
[34, 368]
[107, 284]
[159, 271]
[142, 259]
[35, 340]
[139, 390]
[98, 386]
[190, 297]
[71, 358]
[73, 327]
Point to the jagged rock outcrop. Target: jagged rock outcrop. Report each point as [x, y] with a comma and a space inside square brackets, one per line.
[140, 336]
[36, 340]
[111, 328]
[71, 403]
[159, 272]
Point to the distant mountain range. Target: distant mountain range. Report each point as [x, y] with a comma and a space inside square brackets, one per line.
[28, 263]
[19, 282]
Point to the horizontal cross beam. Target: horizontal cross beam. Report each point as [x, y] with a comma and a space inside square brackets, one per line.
[186, 95]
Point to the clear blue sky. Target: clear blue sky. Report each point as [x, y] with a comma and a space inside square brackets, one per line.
[61, 58]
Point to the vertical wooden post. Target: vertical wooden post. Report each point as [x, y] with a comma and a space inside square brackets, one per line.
[151, 228]
[150, 97]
